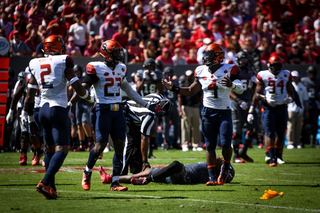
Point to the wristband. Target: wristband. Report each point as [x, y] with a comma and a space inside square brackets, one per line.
[175, 89]
[74, 79]
[32, 86]
[251, 109]
[85, 95]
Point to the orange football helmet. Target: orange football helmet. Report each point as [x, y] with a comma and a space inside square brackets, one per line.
[213, 54]
[54, 44]
[274, 64]
[111, 51]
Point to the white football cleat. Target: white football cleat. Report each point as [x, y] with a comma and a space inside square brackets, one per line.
[199, 149]
[267, 159]
[185, 149]
[290, 146]
[280, 161]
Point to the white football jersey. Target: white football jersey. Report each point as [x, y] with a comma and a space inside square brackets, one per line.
[214, 94]
[275, 87]
[109, 84]
[50, 75]
[37, 99]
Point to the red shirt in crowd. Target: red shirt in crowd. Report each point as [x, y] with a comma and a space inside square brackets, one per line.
[121, 39]
[198, 34]
[60, 30]
[69, 10]
[164, 61]
[282, 56]
[191, 61]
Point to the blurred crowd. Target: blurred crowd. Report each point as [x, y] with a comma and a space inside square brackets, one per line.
[173, 31]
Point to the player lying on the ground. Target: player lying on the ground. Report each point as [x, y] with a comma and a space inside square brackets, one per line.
[176, 173]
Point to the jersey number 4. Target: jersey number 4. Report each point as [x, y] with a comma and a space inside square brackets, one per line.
[273, 85]
[111, 82]
[213, 86]
[45, 70]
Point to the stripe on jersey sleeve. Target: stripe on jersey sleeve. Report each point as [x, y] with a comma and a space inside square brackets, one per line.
[234, 70]
[90, 69]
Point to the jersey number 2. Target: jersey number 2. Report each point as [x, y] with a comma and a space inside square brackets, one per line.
[213, 86]
[47, 71]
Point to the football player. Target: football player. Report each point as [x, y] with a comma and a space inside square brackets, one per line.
[313, 86]
[216, 80]
[175, 173]
[149, 81]
[107, 78]
[21, 90]
[50, 74]
[274, 87]
[173, 115]
[239, 107]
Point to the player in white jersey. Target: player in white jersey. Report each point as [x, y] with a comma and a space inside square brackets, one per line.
[275, 89]
[216, 80]
[108, 78]
[50, 74]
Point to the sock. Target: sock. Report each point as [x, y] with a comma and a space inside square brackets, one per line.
[90, 139]
[279, 152]
[47, 159]
[117, 165]
[267, 153]
[24, 151]
[93, 157]
[81, 144]
[73, 142]
[54, 166]
[37, 149]
[211, 171]
[235, 143]
[271, 151]
[172, 168]
[152, 146]
[225, 165]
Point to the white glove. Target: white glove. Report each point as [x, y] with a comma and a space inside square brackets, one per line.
[145, 74]
[153, 75]
[288, 100]
[243, 105]
[250, 118]
[299, 110]
[70, 114]
[271, 102]
[9, 117]
[24, 118]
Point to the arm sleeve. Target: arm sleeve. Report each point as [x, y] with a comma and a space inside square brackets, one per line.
[90, 79]
[296, 98]
[132, 94]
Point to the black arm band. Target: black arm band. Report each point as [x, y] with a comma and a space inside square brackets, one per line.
[30, 107]
[175, 89]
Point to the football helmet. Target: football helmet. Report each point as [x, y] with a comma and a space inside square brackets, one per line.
[54, 45]
[149, 62]
[242, 59]
[213, 54]
[111, 51]
[312, 69]
[231, 174]
[77, 67]
[159, 65]
[274, 64]
[165, 104]
[168, 72]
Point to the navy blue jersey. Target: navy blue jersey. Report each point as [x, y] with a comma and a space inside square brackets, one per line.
[313, 87]
[171, 95]
[247, 78]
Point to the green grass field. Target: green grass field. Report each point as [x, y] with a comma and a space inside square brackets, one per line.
[299, 179]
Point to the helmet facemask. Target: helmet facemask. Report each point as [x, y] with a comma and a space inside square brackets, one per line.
[275, 68]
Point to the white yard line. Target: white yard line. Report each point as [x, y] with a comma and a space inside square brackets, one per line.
[195, 200]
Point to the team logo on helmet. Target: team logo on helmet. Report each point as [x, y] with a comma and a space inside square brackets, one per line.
[213, 54]
[111, 51]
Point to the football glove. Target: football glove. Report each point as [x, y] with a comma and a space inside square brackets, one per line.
[288, 100]
[250, 118]
[33, 129]
[156, 109]
[9, 117]
[70, 113]
[299, 110]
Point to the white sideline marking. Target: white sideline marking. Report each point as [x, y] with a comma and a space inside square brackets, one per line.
[196, 200]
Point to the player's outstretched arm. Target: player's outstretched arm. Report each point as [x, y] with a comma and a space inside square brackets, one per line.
[16, 96]
[193, 89]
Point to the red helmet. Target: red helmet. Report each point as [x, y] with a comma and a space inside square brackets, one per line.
[274, 64]
[54, 44]
[213, 54]
[111, 51]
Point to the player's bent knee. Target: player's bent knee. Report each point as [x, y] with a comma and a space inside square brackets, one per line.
[210, 146]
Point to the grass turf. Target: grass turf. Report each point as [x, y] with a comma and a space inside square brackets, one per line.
[299, 179]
